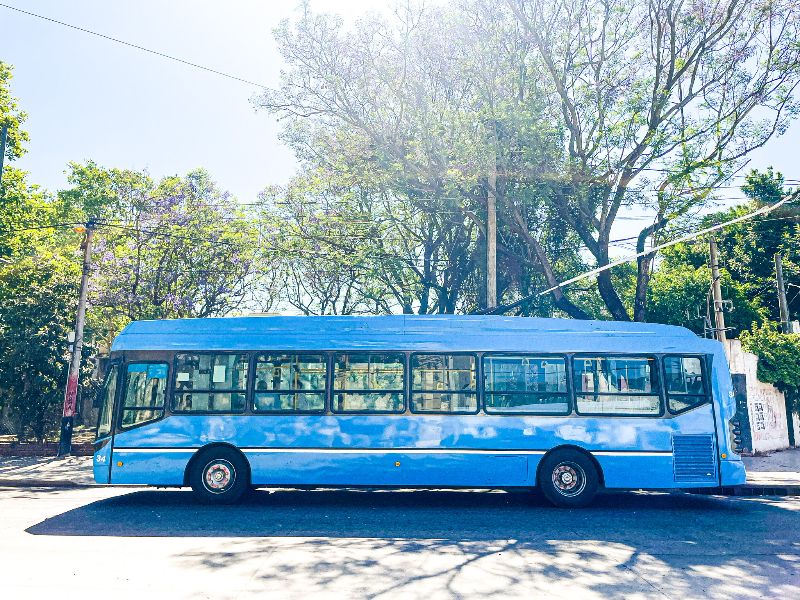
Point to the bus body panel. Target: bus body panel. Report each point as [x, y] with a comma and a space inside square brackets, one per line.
[479, 450]
[446, 450]
[101, 461]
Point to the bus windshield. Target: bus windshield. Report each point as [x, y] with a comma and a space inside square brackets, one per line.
[107, 394]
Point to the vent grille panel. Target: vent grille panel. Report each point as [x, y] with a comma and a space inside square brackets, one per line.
[694, 458]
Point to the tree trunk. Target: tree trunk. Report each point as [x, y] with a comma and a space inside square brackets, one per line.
[560, 300]
[491, 240]
[644, 269]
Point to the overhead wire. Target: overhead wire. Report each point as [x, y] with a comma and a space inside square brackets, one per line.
[137, 46]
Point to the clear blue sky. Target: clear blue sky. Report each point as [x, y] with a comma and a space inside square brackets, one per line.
[88, 98]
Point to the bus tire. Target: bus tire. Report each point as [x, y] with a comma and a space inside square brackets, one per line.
[220, 475]
[568, 478]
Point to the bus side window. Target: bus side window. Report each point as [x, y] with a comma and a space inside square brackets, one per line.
[683, 377]
[617, 385]
[444, 383]
[369, 382]
[210, 382]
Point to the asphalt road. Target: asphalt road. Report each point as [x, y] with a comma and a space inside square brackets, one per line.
[122, 543]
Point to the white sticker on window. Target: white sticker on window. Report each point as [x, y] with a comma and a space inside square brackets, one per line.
[219, 373]
[182, 377]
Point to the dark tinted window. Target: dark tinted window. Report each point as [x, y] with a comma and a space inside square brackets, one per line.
[107, 395]
[145, 389]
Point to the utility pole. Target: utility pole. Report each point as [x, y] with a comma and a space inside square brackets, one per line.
[491, 239]
[3, 140]
[716, 291]
[71, 393]
[783, 305]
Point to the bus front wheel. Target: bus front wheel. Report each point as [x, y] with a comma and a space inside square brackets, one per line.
[219, 476]
[568, 478]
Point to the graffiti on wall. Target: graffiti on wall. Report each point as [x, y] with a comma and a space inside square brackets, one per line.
[766, 415]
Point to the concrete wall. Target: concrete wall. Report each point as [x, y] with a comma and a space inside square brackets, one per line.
[766, 405]
[796, 422]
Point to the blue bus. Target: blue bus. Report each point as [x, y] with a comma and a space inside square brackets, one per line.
[571, 407]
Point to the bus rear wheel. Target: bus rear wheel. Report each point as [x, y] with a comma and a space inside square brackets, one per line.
[568, 478]
[219, 476]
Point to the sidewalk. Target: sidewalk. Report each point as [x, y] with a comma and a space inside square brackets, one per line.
[780, 468]
[776, 474]
[38, 471]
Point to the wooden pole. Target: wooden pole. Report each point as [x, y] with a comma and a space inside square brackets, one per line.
[71, 393]
[716, 291]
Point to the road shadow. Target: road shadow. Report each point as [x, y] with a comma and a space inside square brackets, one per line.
[419, 514]
[297, 543]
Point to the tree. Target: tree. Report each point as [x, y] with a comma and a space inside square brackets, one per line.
[573, 111]
[679, 294]
[175, 248]
[422, 114]
[746, 253]
[356, 250]
[660, 101]
[11, 116]
[778, 358]
[38, 298]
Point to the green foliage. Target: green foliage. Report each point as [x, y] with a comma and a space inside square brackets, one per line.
[175, 248]
[746, 251]
[778, 358]
[680, 292]
[555, 102]
[38, 299]
[11, 116]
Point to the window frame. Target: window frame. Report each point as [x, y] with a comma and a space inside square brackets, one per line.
[247, 391]
[331, 406]
[112, 427]
[485, 393]
[704, 380]
[620, 355]
[252, 391]
[122, 393]
[478, 393]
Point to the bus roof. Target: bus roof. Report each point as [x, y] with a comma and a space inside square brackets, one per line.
[409, 332]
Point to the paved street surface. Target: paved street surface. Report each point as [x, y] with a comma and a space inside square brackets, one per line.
[124, 543]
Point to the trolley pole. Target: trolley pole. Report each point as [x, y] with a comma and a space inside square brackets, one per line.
[716, 291]
[783, 305]
[71, 393]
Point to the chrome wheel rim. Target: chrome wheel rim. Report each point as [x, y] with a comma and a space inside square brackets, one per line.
[569, 479]
[219, 476]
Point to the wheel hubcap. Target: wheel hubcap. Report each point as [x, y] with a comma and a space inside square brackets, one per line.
[569, 479]
[218, 476]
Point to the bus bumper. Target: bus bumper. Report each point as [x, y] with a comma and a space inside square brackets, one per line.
[732, 472]
[101, 462]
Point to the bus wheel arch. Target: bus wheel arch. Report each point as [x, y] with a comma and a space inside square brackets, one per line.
[219, 473]
[581, 476]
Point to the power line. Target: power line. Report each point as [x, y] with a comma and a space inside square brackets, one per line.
[54, 226]
[626, 259]
[136, 46]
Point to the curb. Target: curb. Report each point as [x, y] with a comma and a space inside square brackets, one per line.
[36, 483]
[748, 490]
